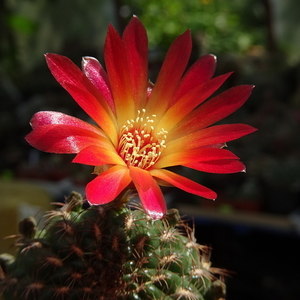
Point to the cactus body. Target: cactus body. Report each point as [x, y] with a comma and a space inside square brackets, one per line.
[108, 252]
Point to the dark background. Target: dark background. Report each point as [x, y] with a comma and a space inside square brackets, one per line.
[258, 39]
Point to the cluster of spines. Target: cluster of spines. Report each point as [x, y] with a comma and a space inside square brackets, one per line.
[68, 259]
[166, 261]
[107, 252]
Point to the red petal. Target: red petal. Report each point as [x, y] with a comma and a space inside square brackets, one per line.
[190, 100]
[96, 74]
[57, 118]
[97, 156]
[149, 192]
[215, 109]
[218, 134]
[201, 71]
[184, 183]
[117, 66]
[136, 45]
[108, 185]
[224, 104]
[83, 91]
[218, 166]
[193, 155]
[69, 135]
[170, 74]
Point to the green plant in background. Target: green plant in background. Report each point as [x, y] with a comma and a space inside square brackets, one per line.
[109, 251]
[224, 26]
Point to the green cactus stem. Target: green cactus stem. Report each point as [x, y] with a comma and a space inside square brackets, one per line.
[108, 252]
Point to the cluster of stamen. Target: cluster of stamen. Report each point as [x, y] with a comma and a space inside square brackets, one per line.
[139, 145]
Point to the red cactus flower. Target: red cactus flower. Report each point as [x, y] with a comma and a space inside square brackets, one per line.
[142, 128]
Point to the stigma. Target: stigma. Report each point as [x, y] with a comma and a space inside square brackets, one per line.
[140, 143]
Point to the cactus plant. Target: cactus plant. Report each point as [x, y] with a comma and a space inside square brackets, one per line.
[108, 252]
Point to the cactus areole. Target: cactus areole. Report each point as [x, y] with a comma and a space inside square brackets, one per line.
[143, 128]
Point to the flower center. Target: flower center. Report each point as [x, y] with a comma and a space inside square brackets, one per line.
[139, 146]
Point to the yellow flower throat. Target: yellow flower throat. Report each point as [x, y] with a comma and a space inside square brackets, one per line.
[139, 145]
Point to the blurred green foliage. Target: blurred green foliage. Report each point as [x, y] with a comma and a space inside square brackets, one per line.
[217, 25]
[21, 24]
[29, 28]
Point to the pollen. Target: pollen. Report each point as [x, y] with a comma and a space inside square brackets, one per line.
[140, 143]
